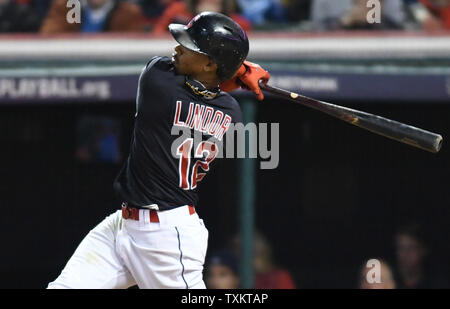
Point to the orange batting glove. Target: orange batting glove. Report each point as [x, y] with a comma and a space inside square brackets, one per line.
[247, 77]
[231, 84]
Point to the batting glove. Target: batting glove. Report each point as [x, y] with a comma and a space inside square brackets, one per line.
[247, 77]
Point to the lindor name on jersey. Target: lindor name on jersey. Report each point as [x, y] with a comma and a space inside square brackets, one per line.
[203, 119]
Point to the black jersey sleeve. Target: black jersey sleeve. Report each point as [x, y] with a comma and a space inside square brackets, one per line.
[142, 79]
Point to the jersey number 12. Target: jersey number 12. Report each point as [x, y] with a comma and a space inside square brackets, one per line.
[204, 154]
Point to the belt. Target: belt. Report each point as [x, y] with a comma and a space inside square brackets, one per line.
[133, 213]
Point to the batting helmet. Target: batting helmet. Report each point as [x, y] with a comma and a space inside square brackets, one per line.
[217, 36]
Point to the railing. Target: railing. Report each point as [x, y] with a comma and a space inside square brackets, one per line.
[273, 46]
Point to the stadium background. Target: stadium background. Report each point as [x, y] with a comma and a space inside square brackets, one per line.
[336, 198]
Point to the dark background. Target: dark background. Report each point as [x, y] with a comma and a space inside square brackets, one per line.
[336, 198]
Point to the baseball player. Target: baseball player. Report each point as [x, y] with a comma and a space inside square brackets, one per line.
[157, 239]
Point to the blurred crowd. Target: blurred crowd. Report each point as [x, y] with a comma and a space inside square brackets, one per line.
[412, 266]
[153, 16]
[222, 267]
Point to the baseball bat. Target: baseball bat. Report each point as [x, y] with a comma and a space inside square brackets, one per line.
[395, 130]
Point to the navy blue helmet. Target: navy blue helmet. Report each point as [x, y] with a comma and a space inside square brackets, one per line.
[217, 36]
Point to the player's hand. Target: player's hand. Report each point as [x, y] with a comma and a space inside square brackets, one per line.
[252, 76]
[231, 84]
[248, 77]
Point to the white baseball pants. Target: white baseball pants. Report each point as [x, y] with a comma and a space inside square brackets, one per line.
[120, 253]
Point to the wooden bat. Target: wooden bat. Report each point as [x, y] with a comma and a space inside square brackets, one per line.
[395, 130]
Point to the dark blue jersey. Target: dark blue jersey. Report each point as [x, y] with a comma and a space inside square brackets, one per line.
[179, 130]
